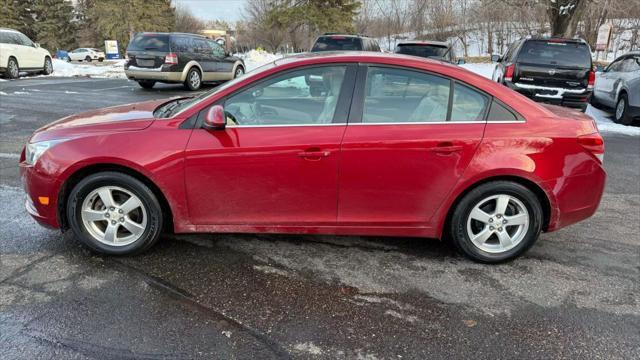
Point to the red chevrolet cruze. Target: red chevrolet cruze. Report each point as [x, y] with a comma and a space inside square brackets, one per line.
[342, 143]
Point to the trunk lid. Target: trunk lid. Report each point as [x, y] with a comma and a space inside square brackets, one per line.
[551, 76]
[148, 50]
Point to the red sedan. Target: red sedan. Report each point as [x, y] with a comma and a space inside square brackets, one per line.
[343, 143]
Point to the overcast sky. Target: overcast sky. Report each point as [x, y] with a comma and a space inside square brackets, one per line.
[228, 10]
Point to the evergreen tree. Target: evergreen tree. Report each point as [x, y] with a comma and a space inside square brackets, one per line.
[53, 26]
[14, 14]
[121, 19]
[316, 15]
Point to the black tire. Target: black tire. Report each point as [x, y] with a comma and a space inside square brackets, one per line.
[624, 118]
[152, 231]
[147, 84]
[87, 59]
[100, 59]
[48, 66]
[13, 69]
[458, 228]
[238, 72]
[192, 85]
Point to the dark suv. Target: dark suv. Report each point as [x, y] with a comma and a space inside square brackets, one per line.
[179, 58]
[344, 42]
[437, 50]
[552, 70]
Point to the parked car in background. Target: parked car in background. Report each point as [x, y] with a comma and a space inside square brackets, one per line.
[19, 54]
[345, 42]
[551, 70]
[179, 58]
[395, 145]
[85, 54]
[618, 87]
[437, 50]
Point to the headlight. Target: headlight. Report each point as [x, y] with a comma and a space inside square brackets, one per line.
[35, 150]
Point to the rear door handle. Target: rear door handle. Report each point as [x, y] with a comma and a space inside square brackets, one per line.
[446, 148]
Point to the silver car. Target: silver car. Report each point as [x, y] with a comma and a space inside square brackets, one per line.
[618, 87]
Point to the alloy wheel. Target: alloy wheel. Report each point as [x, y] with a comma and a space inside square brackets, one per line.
[620, 108]
[47, 67]
[194, 79]
[114, 216]
[498, 223]
[239, 72]
[13, 69]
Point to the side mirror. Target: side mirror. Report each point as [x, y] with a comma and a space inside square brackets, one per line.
[461, 61]
[599, 68]
[215, 119]
[36, 45]
[495, 58]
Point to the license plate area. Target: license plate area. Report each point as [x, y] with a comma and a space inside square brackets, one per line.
[145, 63]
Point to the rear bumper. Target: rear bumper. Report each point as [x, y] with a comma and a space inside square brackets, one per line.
[575, 98]
[157, 74]
[576, 197]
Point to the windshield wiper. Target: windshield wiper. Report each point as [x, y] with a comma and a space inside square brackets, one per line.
[168, 108]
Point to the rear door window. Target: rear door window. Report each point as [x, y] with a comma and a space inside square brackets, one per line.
[337, 43]
[422, 50]
[149, 42]
[182, 44]
[468, 104]
[569, 54]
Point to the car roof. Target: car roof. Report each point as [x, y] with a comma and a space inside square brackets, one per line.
[172, 33]
[559, 39]
[344, 35]
[425, 42]
[10, 30]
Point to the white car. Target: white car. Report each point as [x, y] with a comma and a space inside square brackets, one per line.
[19, 54]
[85, 54]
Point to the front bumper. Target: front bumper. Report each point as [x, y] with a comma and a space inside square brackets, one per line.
[575, 98]
[39, 186]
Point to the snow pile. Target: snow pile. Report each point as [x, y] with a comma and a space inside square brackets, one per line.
[114, 70]
[484, 69]
[256, 58]
[605, 124]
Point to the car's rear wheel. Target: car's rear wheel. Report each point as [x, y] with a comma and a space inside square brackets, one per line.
[114, 213]
[100, 59]
[194, 79]
[13, 70]
[621, 114]
[496, 221]
[147, 84]
[48, 66]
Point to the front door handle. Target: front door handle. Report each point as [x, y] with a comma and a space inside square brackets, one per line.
[314, 155]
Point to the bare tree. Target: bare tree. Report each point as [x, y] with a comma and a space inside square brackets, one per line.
[187, 22]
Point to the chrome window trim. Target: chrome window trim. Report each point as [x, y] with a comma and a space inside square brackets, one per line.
[379, 124]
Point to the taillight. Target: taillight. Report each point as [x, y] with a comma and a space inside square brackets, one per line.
[592, 79]
[593, 143]
[171, 59]
[508, 73]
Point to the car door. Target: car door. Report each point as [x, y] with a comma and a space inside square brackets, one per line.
[205, 57]
[606, 83]
[224, 64]
[276, 163]
[406, 146]
[32, 58]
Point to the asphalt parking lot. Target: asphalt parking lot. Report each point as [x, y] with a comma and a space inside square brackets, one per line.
[574, 295]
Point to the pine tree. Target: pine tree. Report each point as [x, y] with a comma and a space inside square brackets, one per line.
[53, 26]
[14, 14]
[121, 19]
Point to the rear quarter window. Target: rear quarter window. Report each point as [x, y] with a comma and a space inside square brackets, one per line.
[149, 42]
[558, 53]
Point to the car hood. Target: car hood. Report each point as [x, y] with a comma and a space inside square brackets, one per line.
[128, 117]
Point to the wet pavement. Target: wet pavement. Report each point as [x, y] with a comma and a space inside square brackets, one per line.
[574, 295]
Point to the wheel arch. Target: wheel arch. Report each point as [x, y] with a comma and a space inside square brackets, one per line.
[83, 172]
[542, 196]
[188, 67]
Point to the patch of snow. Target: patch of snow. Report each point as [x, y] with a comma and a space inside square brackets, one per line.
[395, 314]
[271, 270]
[255, 58]
[3, 93]
[308, 347]
[484, 69]
[20, 93]
[605, 124]
[114, 70]
[71, 92]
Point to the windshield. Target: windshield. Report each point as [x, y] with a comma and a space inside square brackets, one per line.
[422, 50]
[556, 53]
[145, 41]
[333, 43]
[185, 105]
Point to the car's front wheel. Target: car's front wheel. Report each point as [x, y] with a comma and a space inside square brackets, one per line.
[194, 79]
[48, 66]
[147, 84]
[622, 111]
[114, 213]
[496, 221]
[87, 59]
